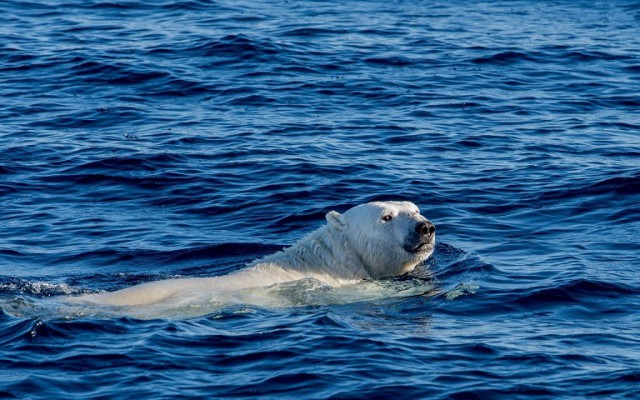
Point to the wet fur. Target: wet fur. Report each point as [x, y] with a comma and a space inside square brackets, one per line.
[352, 246]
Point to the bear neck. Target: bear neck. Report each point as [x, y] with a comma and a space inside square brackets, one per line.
[323, 251]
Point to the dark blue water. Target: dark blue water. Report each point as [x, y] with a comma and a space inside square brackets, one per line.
[148, 140]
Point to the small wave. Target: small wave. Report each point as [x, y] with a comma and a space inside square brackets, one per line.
[252, 100]
[504, 58]
[584, 293]
[118, 73]
[395, 61]
[151, 77]
[574, 292]
[633, 68]
[587, 56]
[235, 48]
[579, 298]
[621, 101]
[313, 32]
[461, 290]
[141, 162]
[193, 5]
[232, 252]
[181, 88]
[623, 185]
[448, 261]
[13, 286]
[14, 57]
[146, 172]
[150, 183]
[627, 216]
[111, 5]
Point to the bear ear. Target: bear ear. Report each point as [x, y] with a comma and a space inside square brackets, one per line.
[335, 219]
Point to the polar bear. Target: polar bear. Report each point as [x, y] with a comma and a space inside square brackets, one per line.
[369, 241]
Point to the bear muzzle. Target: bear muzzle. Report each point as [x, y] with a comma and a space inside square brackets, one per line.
[422, 239]
[425, 229]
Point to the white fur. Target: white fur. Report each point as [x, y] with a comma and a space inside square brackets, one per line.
[356, 245]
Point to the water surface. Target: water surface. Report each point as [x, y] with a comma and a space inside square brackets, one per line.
[150, 140]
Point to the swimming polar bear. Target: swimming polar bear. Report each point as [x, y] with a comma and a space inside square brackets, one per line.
[369, 241]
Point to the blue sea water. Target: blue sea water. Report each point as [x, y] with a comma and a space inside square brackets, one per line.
[144, 140]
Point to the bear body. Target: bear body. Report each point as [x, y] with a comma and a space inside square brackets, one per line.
[369, 241]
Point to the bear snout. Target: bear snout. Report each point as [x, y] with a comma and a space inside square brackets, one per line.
[425, 228]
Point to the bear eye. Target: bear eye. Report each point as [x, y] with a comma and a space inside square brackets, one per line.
[386, 218]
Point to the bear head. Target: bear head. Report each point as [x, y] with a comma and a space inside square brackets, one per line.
[389, 238]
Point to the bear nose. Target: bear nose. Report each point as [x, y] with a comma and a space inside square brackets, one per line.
[426, 228]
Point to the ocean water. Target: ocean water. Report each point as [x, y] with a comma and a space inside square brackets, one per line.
[144, 140]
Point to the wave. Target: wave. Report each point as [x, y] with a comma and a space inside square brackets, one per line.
[588, 56]
[313, 32]
[396, 61]
[560, 196]
[236, 48]
[504, 58]
[188, 261]
[578, 298]
[13, 286]
[553, 54]
[139, 163]
[621, 185]
[576, 291]
[116, 73]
